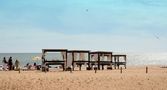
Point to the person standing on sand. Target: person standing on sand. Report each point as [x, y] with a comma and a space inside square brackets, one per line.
[5, 64]
[10, 63]
[17, 65]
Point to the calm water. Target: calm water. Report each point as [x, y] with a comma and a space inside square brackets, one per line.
[133, 59]
[24, 58]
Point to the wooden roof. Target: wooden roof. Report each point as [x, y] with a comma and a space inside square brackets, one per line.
[54, 50]
[78, 51]
[101, 52]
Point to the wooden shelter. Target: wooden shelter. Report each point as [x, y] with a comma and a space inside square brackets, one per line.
[70, 58]
[61, 62]
[117, 61]
[97, 58]
[82, 58]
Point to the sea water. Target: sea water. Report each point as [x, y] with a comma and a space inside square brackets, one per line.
[23, 58]
[133, 59]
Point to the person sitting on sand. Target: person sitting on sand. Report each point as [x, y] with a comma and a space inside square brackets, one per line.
[28, 66]
[35, 66]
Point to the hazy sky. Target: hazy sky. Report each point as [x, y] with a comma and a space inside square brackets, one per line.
[114, 25]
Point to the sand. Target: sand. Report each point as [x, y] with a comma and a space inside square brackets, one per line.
[133, 78]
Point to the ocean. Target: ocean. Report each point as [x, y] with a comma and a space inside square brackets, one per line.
[23, 58]
[133, 59]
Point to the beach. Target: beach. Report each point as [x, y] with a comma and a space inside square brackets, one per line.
[83, 45]
[132, 78]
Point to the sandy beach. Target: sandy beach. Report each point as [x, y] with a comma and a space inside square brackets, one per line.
[133, 78]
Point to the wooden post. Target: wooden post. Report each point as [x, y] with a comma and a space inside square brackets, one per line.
[111, 61]
[66, 61]
[80, 66]
[63, 67]
[146, 69]
[121, 70]
[102, 67]
[89, 60]
[45, 67]
[98, 61]
[115, 62]
[19, 70]
[73, 61]
[125, 61]
[71, 69]
[95, 69]
[118, 62]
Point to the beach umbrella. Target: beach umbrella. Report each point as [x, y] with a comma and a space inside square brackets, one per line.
[36, 58]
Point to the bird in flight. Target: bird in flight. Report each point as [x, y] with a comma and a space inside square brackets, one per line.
[156, 37]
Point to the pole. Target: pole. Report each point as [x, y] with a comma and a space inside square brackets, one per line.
[146, 69]
[71, 69]
[19, 70]
[121, 70]
[95, 70]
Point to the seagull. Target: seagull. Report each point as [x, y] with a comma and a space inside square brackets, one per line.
[156, 37]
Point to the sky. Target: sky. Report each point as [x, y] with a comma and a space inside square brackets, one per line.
[112, 25]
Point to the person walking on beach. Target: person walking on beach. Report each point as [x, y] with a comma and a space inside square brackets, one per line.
[17, 64]
[5, 64]
[10, 63]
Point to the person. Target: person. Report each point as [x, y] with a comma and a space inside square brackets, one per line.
[28, 66]
[10, 63]
[17, 64]
[5, 66]
[35, 66]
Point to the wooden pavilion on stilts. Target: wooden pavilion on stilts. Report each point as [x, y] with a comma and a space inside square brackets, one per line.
[101, 59]
[72, 58]
[117, 62]
[62, 61]
[79, 58]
